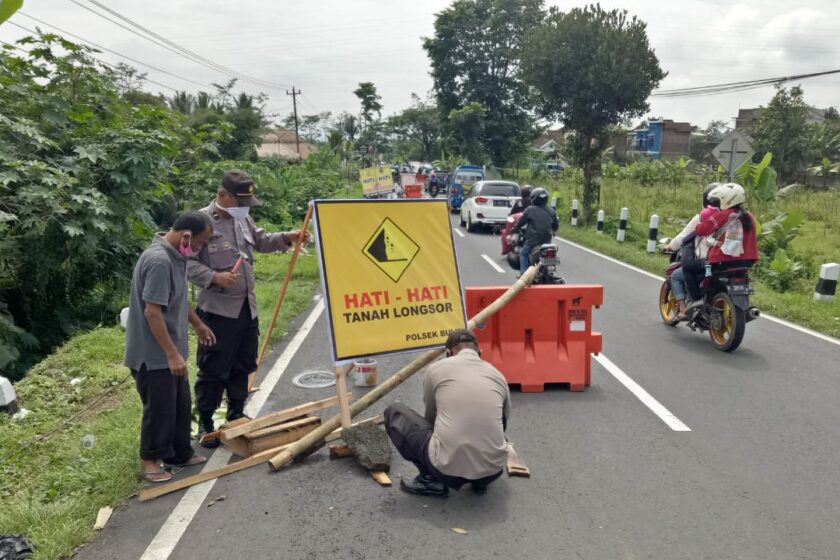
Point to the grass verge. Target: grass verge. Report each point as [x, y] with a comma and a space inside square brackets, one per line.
[52, 489]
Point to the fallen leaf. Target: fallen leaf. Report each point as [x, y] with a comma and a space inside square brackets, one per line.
[221, 498]
[211, 503]
[459, 530]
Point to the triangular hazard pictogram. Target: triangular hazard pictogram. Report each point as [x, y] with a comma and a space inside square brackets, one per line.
[391, 249]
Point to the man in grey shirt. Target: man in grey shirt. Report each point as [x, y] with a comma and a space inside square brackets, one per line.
[156, 345]
[227, 301]
[461, 439]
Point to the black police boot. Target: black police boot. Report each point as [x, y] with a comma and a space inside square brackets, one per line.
[205, 426]
[424, 485]
[235, 410]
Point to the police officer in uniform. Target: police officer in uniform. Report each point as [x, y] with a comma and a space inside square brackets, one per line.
[227, 302]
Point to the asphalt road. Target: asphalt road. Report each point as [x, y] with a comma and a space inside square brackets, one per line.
[753, 475]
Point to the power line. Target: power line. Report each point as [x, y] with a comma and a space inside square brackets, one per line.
[145, 32]
[737, 86]
[106, 49]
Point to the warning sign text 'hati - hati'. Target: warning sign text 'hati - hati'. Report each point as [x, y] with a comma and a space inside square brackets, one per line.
[391, 279]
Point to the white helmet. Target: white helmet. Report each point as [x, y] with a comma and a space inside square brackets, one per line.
[733, 195]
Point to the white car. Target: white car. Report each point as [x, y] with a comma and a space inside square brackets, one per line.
[489, 204]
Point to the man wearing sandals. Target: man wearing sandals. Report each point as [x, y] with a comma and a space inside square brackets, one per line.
[156, 345]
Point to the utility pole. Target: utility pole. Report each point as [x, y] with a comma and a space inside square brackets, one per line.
[294, 95]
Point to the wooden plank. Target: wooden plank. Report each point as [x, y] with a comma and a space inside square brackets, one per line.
[336, 434]
[157, 491]
[343, 401]
[381, 477]
[282, 438]
[341, 451]
[282, 427]
[515, 465]
[279, 416]
[238, 446]
[218, 433]
[102, 518]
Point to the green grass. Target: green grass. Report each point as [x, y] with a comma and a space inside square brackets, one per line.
[51, 490]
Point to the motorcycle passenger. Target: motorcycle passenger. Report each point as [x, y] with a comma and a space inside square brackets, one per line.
[735, 243]
[692, 247]
[539, 222]
[523, 202]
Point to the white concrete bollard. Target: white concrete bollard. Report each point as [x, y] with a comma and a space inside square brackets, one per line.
[653, 231]
[600, 222]
[622, 225]
[574, 212]
[827, 284]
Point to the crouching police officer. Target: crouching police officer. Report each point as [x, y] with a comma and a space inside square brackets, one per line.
[227, 302]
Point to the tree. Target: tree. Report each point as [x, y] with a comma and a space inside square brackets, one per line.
[420, 127]
[370, 101]
[475, 53]
[350, 126]
[182, 102]
[469, 126]
[590, 69]
[783, 129]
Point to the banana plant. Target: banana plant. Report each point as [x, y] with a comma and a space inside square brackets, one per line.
[9, 7]
[759, 178]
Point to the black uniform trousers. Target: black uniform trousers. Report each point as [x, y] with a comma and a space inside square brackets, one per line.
[167, 415]
[225, 366]
[410, 433]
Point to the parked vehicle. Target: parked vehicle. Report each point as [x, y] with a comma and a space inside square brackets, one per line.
[725, 310]
[460, 184]
[488, 204]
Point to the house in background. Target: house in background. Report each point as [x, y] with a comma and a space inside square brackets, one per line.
[660, 139]
[748, 117]
[282, 142]
[549, 143]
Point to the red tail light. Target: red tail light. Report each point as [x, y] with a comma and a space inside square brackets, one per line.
[551, 253]
[481, 200]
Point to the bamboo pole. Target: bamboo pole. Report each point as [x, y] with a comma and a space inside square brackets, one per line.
[302, 445]
[281, 296]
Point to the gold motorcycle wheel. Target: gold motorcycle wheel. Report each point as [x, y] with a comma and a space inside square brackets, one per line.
[727, 323]
[668, 308]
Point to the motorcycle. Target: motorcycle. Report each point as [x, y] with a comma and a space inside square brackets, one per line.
[434, 188]
[511, 245]
[545, 256]
[725, 310]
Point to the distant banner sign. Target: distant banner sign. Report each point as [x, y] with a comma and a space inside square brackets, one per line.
[389, 275]
[376, 180]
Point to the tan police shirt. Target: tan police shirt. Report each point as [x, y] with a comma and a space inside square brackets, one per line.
[465, 399]
[230, 238]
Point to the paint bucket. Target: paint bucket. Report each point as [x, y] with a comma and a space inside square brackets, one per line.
[364, 373]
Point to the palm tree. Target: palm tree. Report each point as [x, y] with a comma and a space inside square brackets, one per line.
[182, 102]
[350, 126]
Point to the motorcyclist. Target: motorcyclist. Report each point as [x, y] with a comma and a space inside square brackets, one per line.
[539, 222]
[692, 246]
[735, 243]
[434, 183]
[523, 202]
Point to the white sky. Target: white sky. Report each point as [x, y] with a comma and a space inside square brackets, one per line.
[326, 47]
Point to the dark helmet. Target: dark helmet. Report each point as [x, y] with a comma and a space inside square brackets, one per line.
[539, 197]
[709, 188]
[525, 192]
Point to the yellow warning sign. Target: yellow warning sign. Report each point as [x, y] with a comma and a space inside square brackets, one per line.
[389, 274]
[391, 249]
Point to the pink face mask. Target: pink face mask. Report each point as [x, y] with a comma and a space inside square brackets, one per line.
[185, 248]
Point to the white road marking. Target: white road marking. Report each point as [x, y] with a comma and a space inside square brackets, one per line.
[494, 265]
[664, 414]
[176, 524]
[458, 231]
[803, 330]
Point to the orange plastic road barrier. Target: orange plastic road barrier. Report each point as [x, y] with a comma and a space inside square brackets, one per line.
[414, 191]
[543, 336]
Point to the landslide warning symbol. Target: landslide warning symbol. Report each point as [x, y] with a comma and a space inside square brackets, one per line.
[391, 249]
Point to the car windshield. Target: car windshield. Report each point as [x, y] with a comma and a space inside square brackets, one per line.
[468, 178]
[499, 189]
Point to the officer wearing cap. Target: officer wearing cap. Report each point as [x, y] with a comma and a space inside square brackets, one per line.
[227, 302]
[461, 438]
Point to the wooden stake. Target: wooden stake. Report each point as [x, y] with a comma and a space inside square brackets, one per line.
[381, 477]
[281, 296]
[343, 401]
[288, 455]
[340, 451]
[164, 489]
